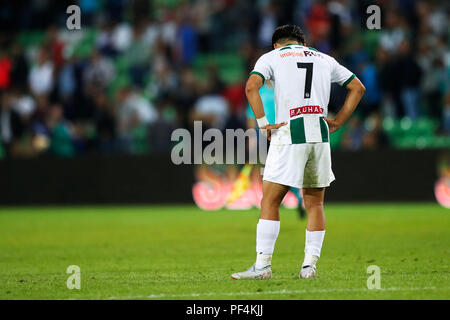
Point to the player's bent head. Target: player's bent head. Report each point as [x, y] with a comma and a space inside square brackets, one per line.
[286, 33]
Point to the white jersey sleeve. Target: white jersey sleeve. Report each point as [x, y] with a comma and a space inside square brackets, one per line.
[263, 68]
[340, 74]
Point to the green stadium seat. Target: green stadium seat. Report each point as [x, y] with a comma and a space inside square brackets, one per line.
[230, 65]
[336, 138]
[393, 128]
[440, 142]
[388, 124]
[31, 38]
[406, 124]
[427, 126]
[122, 64]
[86, 45]
[405, 142]
[140, 140]
[122, 80]
[371, 41]
[408, 134]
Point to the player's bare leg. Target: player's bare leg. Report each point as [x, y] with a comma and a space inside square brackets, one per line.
[315, 230]
[273, 194]
[267, 232]
[314, 198]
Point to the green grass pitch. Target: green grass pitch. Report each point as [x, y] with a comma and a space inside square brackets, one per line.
[181, 252]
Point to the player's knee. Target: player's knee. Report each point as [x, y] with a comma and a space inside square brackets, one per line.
[314, 205]
[271, 201]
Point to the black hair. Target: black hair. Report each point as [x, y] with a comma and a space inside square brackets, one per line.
[288, 32]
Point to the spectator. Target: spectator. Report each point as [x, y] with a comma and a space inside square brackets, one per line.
[354, 135]
[212, 110]
[133, 111]
[188, 43]
[104, 124]
[411, 75]
[41, 74]
[19, 66]
[122, 35]
[393, 32]
[388, 84]
[431, 60]
[55, 46]
[11, 128]
[5, 70]
[176, 57]
[446, 114]
[186, 94]
[98, 73]
[89, 8]
[138, 54]
[375, 138]
[24, 104]
[60, 133]
[372, 99]
[67, 81]
[160, 131]
[267, 25]
[104, 41]
[165, 79]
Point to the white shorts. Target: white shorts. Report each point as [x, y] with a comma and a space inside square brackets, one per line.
[305, 165]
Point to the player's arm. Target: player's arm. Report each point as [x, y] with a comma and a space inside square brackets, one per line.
[355, 92]
[254, 83]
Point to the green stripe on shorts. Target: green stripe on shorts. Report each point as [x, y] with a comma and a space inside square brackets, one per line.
[324, 130]
[298, 131]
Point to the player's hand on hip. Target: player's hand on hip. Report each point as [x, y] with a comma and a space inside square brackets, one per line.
[266, 130]
[333, 125]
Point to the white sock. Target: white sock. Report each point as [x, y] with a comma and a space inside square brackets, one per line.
[263, 260]
[266, 235]
[313, 246]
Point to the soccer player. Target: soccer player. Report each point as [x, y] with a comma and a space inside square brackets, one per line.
[299, 154]
[268, 100]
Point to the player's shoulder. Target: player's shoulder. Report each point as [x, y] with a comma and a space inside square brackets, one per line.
[268, 55]
[306, 51]
[295, 50]
[314, 52]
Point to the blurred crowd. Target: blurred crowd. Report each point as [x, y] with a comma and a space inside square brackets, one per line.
[138, 79]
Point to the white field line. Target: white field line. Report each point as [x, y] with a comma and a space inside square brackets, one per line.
[209, 294]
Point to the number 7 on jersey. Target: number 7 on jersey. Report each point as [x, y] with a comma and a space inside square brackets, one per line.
[309, 73]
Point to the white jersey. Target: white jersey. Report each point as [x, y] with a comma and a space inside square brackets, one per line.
[302, 78]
